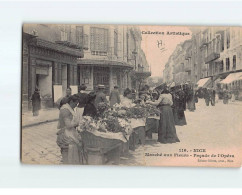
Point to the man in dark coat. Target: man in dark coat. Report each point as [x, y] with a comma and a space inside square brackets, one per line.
[114, 97]
[90, 109]
[83, 99]
[101, 97]
[36, 102]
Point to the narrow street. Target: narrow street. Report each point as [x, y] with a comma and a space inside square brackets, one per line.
[215, 129]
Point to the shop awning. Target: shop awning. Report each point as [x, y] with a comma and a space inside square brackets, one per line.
[204, 82]
[232, 77]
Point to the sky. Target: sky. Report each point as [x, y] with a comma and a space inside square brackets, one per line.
[157, 56]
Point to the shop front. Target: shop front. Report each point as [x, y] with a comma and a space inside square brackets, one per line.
[47, 66]
[108, 73]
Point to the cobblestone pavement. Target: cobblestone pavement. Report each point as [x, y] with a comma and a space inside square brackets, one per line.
[39, 144]
[217, 129]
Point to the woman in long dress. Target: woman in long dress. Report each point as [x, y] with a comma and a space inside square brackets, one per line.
[68, 138]
[167, 129]
[36, 102]
[191, 99]
[178, 107]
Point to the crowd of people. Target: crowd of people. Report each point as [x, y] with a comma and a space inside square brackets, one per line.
[172, 102]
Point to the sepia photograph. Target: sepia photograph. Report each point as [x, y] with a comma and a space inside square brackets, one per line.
[131, 95]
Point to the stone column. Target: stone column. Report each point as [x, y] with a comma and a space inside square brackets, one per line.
[55, 79]
[59, 74]
[75, 75]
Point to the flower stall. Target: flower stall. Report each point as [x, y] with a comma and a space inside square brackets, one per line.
[107, 136]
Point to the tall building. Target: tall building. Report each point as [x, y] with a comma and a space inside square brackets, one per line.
[210, 58]
[49, 58]
[59, 56]
[112, 56]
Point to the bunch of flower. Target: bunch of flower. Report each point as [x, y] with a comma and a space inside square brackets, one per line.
[87, 123]
[102, 107]
[137, 111]
[112, 124]
[152, 110]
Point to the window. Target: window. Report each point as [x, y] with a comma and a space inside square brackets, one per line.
[99, 41]
[228, 38]
[79, 36]
[115, 43]
[222, 66]
[227, 64]
[234, 62]
[64, 33]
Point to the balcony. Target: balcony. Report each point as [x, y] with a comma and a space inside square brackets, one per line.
[142, 72]
[211, 57]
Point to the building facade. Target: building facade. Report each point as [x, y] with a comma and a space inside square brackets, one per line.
[59, 56]
[213, 52]
[49, 59]
[112, 56]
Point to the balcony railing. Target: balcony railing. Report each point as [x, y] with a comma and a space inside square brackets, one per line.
[211, 57]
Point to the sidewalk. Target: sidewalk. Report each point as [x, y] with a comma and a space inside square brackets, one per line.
[45, 115]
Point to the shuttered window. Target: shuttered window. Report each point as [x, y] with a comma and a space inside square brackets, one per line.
[99, 40]
[79, 36]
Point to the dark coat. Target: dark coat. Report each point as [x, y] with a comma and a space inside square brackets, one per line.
[83, 99]
[114, 97]
[101, 97]
[90, 110]
[36, 101]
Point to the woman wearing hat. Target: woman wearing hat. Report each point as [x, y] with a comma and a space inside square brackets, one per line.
[167, 129]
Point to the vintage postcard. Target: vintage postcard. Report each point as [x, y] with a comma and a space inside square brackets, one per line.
[131, 95]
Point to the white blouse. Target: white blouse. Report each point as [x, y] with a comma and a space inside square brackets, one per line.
[164, 99]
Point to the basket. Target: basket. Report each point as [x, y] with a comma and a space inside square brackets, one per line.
[92, 141]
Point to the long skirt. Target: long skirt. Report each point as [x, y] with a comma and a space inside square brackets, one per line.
[207, 100]
[213, 101]
[167, 129]
[191, 105]
[225, 100]
[72, 153]
[179, 117]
